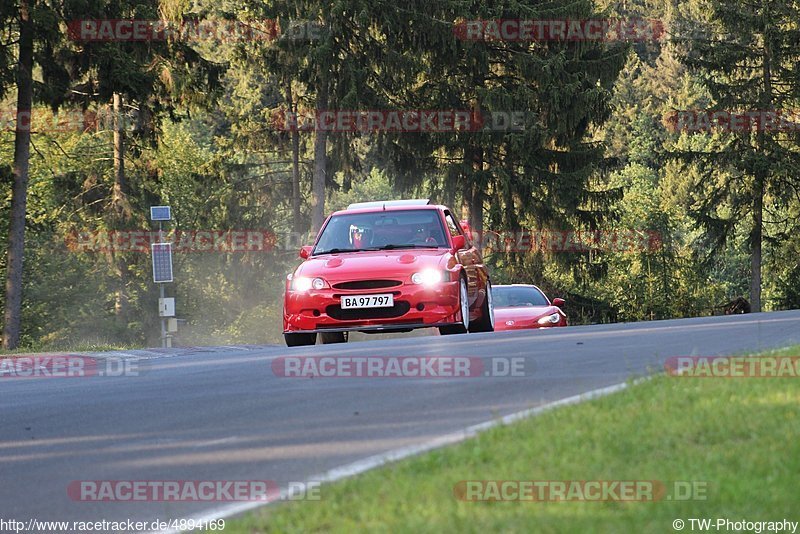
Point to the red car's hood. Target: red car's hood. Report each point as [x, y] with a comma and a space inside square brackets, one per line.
[522, 313]
[378, 264]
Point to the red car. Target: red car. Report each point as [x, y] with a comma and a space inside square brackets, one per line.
[521, 306]
[389, 266]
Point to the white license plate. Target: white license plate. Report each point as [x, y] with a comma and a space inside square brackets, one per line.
[350, 302]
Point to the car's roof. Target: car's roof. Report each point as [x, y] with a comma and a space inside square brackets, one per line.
[379, 207]
[384, 203]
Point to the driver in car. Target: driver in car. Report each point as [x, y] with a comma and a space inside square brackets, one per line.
[424, 235]
[360, 237]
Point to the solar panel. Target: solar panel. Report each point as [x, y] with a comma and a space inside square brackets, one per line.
[160, 213]
[162, 262]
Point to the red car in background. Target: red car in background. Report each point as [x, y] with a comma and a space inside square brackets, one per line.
[388, 266]
[520, 306]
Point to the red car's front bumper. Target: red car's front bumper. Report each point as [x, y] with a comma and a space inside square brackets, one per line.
[524, 323]
[415, 306]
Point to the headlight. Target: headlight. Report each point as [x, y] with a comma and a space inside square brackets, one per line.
[318, 283]
[428, 277]
[303, 283]
[553, 318]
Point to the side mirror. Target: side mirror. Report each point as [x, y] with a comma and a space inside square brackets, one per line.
[305, 251]
[465, 227]
[558, 302]
[458, 243]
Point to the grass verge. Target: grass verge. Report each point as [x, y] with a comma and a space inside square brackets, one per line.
[740, 438]
[74, 349]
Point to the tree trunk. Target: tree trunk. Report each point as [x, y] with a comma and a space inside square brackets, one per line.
[120, 211]
[297, 220]
[296, 217]
[320, 164]
[448, 194]
[758, 188]
[120, 186]
[510, 216]
[477, 200]
[19, 194]
[755, 245]
[466, 185]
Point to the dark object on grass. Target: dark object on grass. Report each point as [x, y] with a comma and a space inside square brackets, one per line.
[737, 305]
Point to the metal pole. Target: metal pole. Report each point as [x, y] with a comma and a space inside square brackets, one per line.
[161, 296]
[163, 320]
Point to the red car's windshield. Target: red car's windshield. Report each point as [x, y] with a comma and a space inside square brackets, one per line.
[518, 297]
[382, 230]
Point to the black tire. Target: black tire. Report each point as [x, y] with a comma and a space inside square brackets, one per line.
[326, 338]
[486, 322]
[300, 340]
[463, 302]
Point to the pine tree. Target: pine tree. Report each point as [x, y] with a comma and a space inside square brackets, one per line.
[748, 56]
[36, 28]
[541, 172]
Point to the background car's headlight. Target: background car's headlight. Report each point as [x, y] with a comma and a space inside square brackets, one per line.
[553, 318]
[428, 277]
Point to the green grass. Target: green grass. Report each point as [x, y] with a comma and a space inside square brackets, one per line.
[99, 346]
[740, 436]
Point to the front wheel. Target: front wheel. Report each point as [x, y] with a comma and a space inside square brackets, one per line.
[486, 322]
[463, 298]
[299, 340]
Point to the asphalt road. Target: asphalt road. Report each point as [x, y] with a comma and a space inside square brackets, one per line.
[224, 415]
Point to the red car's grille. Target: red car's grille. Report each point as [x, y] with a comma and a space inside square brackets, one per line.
[400, 308]
[367, 284]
